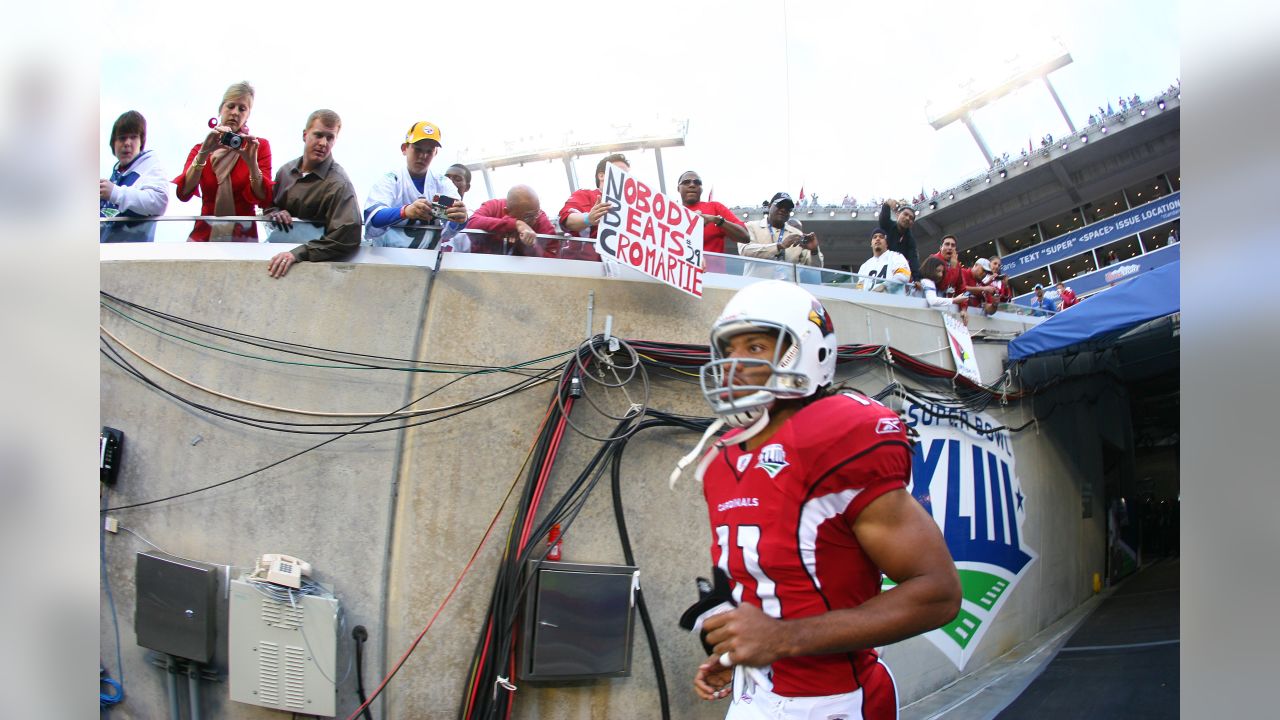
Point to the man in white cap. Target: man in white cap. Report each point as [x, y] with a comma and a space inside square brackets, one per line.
[981, 293]
[997, 279]
[1042, 305]
[400, 204]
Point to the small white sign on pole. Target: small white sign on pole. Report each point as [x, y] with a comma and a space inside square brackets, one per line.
[651, 232]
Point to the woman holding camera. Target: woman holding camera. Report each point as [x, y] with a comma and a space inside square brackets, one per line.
[230, 170]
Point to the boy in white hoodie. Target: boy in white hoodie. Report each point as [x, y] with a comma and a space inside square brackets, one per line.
[137, 188]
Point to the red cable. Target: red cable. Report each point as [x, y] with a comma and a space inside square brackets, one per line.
[539, 486]
[475, 685]
[679, 353]
[418, 639]
[512, 670]
[488, 531]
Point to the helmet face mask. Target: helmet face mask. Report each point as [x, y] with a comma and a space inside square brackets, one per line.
[738, 388]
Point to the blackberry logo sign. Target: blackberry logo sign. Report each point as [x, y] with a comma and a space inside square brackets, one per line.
[967, 480]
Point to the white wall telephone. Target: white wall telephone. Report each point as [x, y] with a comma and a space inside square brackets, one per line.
[282, 569]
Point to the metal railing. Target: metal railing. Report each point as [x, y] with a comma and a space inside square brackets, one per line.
[447, 239]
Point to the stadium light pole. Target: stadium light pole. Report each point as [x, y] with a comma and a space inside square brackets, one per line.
[664, 137]
[1019, 76]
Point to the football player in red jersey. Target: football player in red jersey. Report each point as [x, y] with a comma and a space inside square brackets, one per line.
[808, 506]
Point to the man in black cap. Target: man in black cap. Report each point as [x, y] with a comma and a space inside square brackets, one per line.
[896, 219]
[772, 238]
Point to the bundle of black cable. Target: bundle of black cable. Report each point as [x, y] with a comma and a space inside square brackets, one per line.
[490, 692]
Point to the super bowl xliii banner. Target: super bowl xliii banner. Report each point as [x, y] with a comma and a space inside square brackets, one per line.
[968, 481]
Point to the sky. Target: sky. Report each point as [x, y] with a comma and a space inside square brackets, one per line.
[828, 97]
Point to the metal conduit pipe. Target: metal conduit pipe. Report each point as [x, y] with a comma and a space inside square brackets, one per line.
[193, 689]
[171, 673]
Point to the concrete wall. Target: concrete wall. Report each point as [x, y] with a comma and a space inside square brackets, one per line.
[389, 520]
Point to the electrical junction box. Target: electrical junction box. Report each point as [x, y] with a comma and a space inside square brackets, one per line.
[175, 610]
[281, 654]
[579, 620]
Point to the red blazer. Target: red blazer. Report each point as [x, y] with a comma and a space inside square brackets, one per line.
[245, 200]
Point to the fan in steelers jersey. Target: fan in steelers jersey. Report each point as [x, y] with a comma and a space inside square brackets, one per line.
[889, 267]
[808, 506]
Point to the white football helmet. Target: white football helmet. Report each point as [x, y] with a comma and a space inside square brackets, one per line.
[804, 359]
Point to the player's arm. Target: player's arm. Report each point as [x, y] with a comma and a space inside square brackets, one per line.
[900, 537]
[905, 543]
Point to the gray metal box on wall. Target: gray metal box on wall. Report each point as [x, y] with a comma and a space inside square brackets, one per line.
[578, 621]
[175, 611]
[282, 654]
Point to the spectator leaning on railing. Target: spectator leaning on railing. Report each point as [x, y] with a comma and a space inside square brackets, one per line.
[405, 196]
[137, 188]
[230, 171]
[315, 187]
[932, 271]
[511, 226]
[582, 212]
[981, 293]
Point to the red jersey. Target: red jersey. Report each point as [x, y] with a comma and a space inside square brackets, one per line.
[581, 201]
[782, 528]
[967, 280]
[953, 278]
[712, 235]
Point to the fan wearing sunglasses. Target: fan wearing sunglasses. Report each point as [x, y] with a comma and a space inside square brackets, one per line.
[719, 221]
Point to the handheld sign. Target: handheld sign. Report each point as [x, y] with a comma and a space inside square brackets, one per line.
[651, 232]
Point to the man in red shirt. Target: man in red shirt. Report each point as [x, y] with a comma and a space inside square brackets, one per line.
[1066, 296]
[952, 282]
[981, 293]
[583, 210]
[512, 226]
[719, 221]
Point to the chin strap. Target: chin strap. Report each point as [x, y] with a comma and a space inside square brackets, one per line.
[697, 450]
[745, 435]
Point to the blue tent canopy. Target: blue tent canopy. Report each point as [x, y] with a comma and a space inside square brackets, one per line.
[1153, 294]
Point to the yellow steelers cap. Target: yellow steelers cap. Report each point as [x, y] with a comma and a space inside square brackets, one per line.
[423, 131]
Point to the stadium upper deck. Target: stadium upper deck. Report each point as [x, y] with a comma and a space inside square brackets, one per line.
[1077, 181]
